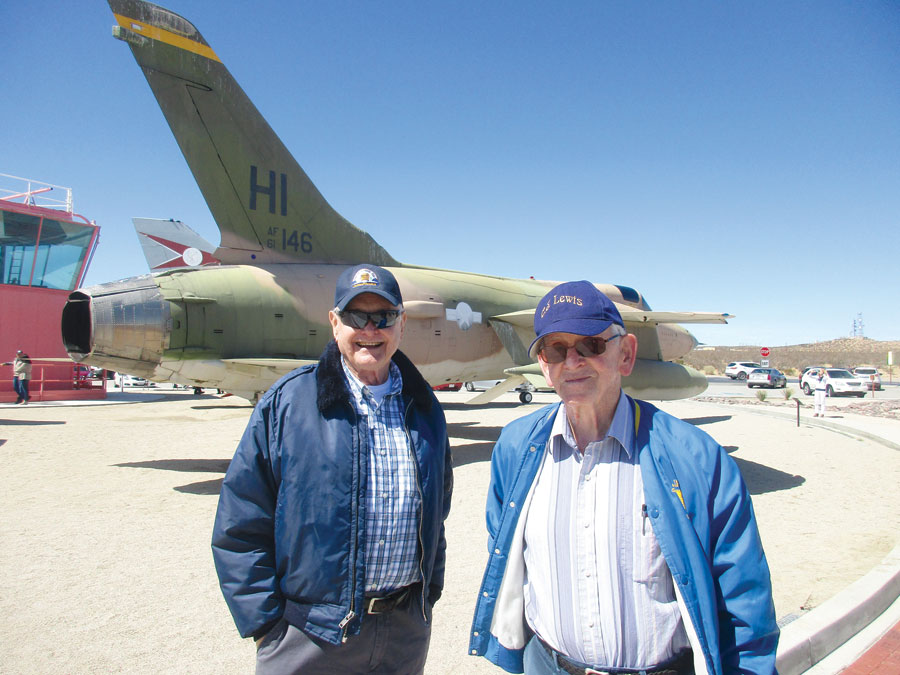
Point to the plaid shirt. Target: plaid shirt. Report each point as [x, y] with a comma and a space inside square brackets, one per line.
[393, 501]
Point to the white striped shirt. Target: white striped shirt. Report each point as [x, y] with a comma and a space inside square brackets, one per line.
[597, 588]
[393, 501]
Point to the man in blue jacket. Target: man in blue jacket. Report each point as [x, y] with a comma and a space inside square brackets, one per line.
[329, 535]
[621, 539]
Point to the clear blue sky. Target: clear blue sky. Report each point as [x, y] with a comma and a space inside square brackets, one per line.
[718, 156]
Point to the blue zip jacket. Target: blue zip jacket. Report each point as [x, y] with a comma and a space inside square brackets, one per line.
[702, 517]
[289, 534]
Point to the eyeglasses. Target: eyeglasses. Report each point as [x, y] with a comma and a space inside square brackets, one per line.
[356, 318]
[587, 347]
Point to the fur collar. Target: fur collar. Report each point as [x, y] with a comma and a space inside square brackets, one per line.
[332, 388]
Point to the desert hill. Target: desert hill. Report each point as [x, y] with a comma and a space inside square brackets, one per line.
[842, 352]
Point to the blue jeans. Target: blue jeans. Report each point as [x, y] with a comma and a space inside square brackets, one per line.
[21, 387]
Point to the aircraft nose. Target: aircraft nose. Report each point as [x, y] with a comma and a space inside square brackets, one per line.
[119, 325]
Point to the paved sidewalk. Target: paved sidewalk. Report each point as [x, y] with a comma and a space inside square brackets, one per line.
[882, 657]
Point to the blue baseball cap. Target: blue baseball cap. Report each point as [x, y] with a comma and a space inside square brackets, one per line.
[366, 279]
[573, 307]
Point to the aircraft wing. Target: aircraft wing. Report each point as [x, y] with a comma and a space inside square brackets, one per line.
[631, 315]
[266, 367]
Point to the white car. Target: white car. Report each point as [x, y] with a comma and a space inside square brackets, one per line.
[838, 382]
[136, 381]
[739, 370]
[870, 377]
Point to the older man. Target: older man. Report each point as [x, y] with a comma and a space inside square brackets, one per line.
[329, 536]
[621, 539]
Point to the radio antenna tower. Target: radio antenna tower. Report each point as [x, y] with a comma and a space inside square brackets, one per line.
[858, 327]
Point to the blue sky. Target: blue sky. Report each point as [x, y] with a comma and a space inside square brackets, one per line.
[717, 156]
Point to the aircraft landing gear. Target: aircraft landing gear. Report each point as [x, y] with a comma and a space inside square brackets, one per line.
[525, 396]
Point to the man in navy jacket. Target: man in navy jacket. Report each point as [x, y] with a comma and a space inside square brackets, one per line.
[329, 535]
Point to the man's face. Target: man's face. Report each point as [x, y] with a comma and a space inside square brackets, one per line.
[594, 380]
[368, 350]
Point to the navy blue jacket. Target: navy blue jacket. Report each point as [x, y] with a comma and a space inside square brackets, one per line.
[289, 536]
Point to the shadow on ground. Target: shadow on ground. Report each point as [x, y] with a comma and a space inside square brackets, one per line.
[29, 423]
[206, 487]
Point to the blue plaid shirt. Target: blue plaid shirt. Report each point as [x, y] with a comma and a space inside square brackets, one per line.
[393, 501]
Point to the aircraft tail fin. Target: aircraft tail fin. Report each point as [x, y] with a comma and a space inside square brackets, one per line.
[266, 207]
[171, 243]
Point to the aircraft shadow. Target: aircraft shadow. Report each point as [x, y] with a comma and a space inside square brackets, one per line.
[206, 487]
[30, 423]
[465, 406]
[761, 479]
[712, 419]
[472, 452]
[247, 406]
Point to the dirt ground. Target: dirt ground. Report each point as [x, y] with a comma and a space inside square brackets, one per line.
[107, 512]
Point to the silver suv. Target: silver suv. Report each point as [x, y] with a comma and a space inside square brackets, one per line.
[739, 370]
[870, 377]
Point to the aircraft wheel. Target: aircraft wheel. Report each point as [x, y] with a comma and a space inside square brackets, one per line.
[525, 396]
[198, 391]
[470, 386]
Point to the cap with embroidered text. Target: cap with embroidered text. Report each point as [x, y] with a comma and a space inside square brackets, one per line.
[573, 307]
[366, 279]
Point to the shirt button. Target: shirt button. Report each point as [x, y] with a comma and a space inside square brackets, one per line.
[512, 505]
[485, 594]
[497, 551]
[475, 633]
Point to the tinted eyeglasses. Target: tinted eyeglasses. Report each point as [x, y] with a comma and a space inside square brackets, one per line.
[356, 318]
[587, 347]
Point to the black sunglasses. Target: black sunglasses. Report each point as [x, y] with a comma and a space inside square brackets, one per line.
[356, 318]
[587, 347]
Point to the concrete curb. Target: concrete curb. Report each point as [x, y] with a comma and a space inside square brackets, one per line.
[817, 634]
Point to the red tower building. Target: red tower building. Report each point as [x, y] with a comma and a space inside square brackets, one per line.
[45, 250]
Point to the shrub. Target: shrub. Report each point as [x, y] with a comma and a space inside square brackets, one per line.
[709, 370]
[787, 392]
[761, 395]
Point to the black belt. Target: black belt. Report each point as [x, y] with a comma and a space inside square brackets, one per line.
[683, 664]
[390, 602]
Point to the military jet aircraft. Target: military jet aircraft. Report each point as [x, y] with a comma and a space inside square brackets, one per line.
[262, 312]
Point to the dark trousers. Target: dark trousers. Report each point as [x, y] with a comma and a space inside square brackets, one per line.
[21, 387]
[395, 643]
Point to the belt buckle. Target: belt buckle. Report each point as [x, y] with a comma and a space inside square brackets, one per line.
[370, 606]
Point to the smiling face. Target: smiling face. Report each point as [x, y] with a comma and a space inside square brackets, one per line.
[368, 351]
[594, 381]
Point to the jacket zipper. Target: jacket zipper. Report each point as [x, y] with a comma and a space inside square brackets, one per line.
[353, 544]
[415, 463]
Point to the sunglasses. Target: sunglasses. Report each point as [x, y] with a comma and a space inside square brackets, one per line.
[356, 318]
[587, 347]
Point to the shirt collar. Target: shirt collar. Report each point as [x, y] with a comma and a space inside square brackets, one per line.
[621, 428]
[361, 392]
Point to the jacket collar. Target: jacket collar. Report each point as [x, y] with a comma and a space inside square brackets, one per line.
[332, 388]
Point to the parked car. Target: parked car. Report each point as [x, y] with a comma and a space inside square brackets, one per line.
[870, 377]
[135, 381]
[448, 386]
[766, 377]
[838, 382]
[739, 370]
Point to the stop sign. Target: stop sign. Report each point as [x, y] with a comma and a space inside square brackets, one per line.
[764, 351]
